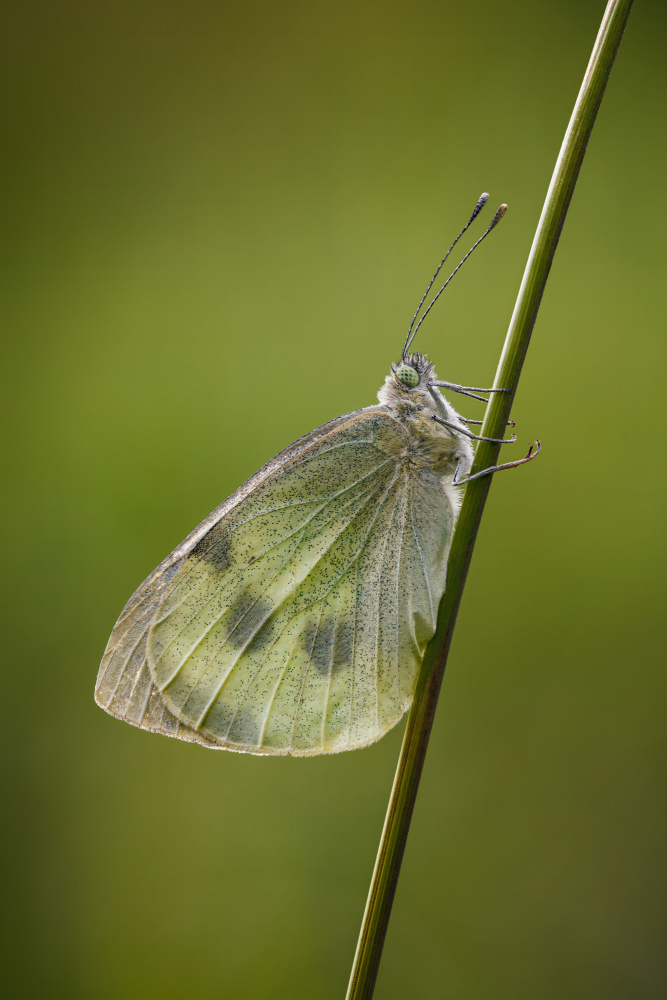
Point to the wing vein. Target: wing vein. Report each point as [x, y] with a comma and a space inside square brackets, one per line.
[377, 633]
[399, 557]
[124, 668]
[423, 565]
[354, 650]
[305, 676]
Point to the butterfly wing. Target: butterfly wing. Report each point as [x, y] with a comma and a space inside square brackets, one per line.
[294, 619]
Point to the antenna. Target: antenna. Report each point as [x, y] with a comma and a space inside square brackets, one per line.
[494, 222]
[481, 202]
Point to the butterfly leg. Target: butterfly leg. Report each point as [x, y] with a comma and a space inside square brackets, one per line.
[467, 390]
[497, 468]
[475, 437]
[510, 423]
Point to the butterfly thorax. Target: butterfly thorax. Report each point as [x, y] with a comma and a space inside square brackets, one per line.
[430, 445]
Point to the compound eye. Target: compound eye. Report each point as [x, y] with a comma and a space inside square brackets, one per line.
[408, 376]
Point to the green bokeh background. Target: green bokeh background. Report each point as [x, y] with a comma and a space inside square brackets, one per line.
[218, 218]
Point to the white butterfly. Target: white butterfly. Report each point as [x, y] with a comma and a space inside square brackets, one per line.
[294, 619]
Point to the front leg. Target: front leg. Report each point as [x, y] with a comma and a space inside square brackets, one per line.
[467, 390]
[498, 468]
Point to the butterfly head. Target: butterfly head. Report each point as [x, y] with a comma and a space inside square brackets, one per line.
[409, 378]
[413, 371]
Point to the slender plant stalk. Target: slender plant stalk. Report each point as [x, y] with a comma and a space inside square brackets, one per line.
[420, 719]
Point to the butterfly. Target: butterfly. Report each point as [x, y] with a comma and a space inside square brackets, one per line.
[294, 618]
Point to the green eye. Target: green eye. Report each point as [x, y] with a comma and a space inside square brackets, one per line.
[408, 376]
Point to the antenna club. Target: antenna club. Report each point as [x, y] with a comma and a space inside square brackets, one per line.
[481, 202]
[498, 216]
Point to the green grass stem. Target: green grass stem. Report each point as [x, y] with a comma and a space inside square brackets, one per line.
[420, 719]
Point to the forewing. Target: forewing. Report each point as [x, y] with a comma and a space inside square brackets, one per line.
[295, 620]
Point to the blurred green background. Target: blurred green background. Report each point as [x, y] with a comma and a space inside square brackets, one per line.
[218, 219]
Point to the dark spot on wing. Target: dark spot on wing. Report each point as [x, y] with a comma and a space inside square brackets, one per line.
[320, 656]
[215, 548]
[343, 644]
[262, 638]
[333, 647]
[203, 545]
[307, 638]
[247, 616]
[169, 573]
